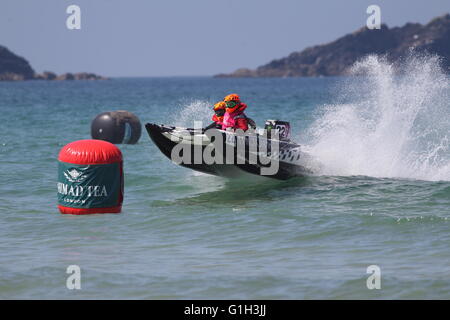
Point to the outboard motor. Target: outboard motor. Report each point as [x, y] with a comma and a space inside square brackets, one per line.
[283, 128]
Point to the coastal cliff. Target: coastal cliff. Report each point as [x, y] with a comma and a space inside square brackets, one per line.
[15, 68]
[335, 58]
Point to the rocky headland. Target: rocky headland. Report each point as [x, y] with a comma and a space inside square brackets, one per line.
[335, 58]
[15, 68]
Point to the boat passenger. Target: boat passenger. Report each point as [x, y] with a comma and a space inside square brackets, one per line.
[219, 112]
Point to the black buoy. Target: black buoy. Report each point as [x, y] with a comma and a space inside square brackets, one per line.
[116, 127]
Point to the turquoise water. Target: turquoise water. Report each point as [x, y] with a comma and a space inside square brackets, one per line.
[383, 196]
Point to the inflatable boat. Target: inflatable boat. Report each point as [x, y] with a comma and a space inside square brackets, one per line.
[230, 154]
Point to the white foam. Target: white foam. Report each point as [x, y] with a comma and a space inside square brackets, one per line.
[394, 121]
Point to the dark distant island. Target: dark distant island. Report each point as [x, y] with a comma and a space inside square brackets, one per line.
[15, 68]
[335, 58]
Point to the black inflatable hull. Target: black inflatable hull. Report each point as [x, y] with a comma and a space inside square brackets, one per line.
[159, 135]
[166, 145]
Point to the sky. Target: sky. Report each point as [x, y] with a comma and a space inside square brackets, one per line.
[127, 38]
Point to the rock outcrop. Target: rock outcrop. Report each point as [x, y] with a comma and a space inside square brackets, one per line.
[336, 57]
[46, 75]
[15, 68]
[87, 76]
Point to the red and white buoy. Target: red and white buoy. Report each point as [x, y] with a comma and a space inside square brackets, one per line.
[90, 178]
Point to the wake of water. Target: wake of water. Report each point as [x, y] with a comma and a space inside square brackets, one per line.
[391, 121]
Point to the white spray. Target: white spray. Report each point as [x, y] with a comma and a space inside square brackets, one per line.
[197, 110]
[395, 122]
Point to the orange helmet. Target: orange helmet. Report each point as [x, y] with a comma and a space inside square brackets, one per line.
[232, 97]
[219, 105]
[219, 109]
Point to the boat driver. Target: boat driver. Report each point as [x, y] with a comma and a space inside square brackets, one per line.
[235, 117]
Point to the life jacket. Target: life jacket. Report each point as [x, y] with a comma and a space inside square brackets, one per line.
[231, 120]
[236, 120]
[217, 120]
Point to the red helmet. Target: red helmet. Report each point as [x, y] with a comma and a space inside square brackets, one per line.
[232, 97]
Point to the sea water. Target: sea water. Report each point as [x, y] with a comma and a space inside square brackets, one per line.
[381, 196]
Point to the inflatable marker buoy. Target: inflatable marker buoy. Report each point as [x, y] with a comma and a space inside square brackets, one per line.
[116, 127]
[90, 178]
